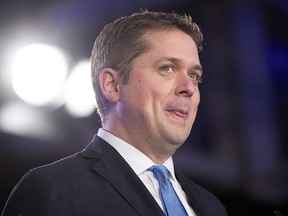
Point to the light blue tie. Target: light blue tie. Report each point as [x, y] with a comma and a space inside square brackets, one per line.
[169, 198]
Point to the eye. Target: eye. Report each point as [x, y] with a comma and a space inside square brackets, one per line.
[166, 69]
[196, 77]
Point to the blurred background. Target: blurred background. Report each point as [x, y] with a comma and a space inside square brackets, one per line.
[238, 145]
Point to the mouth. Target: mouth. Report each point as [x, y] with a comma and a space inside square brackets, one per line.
[180, 113]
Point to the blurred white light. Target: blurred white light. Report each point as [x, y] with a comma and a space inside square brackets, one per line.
[79, 92]
[20, 119]
[39, 74]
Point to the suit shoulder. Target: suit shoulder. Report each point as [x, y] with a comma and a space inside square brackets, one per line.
[61, 169]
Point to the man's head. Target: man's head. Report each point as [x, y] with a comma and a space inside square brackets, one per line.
[123, 40]
[146, 72]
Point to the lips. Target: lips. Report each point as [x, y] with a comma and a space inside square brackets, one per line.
[181, 113]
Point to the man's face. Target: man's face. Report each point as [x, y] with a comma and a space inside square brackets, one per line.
[158, 105]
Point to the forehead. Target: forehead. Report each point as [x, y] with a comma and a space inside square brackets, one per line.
[154, 34]
[171, 43]
[169, 37]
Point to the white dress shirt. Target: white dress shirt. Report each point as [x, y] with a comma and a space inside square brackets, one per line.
[139, 162]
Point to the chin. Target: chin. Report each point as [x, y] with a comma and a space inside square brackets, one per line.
[178, 140]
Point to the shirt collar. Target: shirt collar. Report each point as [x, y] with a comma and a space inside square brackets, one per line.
[138, 161]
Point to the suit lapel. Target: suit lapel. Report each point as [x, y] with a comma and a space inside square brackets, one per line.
[191, 191]
[111, 166]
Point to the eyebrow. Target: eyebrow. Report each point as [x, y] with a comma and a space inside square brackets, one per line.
[177, 61]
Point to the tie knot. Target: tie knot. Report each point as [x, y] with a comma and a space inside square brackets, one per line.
[160, 171]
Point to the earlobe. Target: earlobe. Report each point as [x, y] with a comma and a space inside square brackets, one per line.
[108, 80]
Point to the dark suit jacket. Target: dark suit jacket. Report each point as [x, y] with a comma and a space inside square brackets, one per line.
[96, 181]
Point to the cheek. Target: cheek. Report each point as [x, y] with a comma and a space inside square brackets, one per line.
[198, 96]
[138, 95]
[148, 92]
[158, 97]
[149, 88]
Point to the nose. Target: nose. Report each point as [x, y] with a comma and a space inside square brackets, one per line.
[185, 86]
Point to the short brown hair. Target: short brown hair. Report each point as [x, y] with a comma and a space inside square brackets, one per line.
[123, 40]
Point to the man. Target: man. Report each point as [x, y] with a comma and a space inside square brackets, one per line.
[145, 73]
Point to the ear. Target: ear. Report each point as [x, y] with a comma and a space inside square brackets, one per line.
[108, 80]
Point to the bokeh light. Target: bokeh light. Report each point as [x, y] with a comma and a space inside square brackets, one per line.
[79, 93]
[22, 120]
[39, 74]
